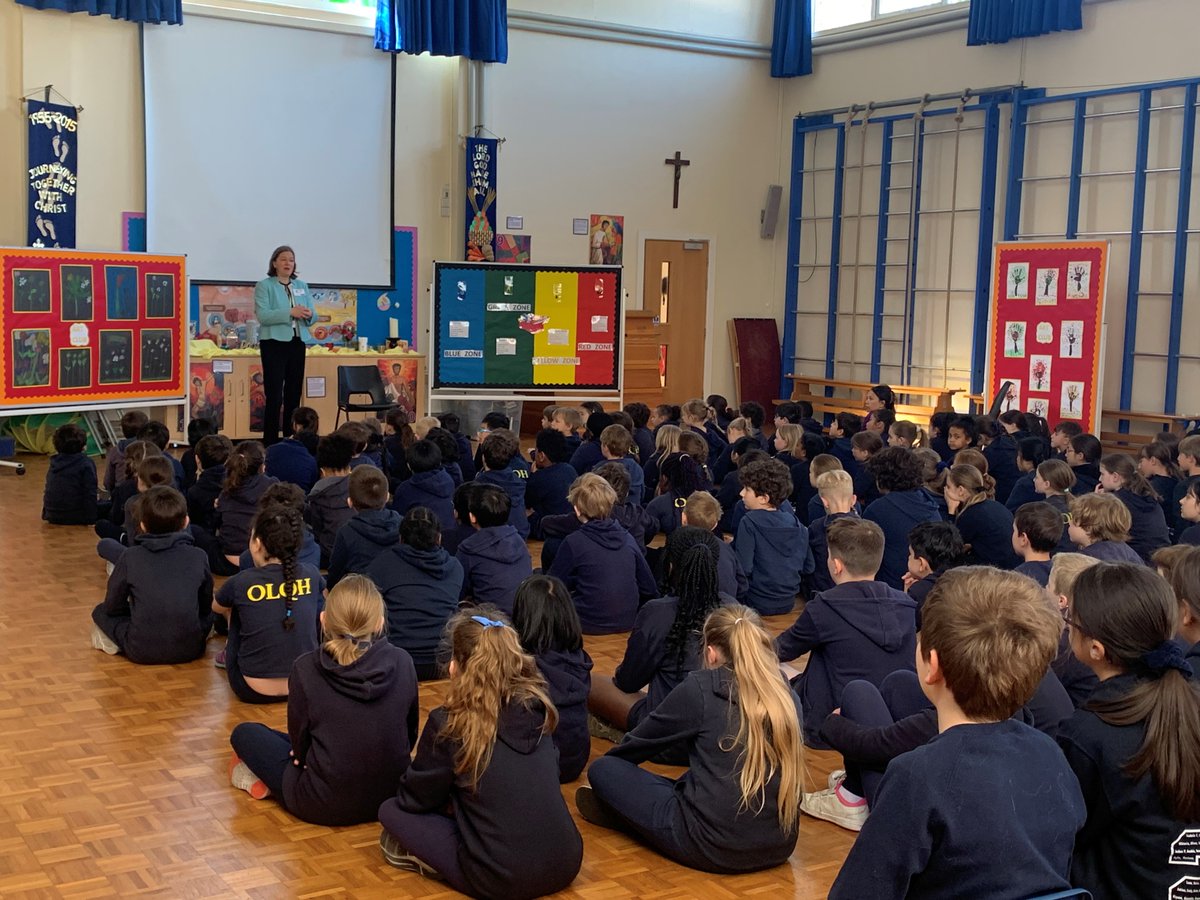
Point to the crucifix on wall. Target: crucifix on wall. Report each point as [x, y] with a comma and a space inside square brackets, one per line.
[678, 163]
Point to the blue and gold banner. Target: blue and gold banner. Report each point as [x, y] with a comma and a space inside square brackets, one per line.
[53, 164]
[481, 199]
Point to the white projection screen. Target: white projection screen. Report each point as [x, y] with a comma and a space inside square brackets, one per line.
[259, 135]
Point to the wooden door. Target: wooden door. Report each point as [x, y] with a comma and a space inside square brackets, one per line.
[675, 284]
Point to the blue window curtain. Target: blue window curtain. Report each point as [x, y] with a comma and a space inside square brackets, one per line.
[476, 29]
[791, 46]
[999, 21]
[155, 12]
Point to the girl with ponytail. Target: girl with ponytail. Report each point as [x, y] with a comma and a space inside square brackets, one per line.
[271, 609]
[984, 523]
[1120, 477]
[244, 485]
[737, 807]
[352, 719]
[680, 477]
[487, 755]
[664, 646]
[1133, 745]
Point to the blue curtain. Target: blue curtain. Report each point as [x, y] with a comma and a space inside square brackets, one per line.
[157, 12]
[476, 29]
[791, 47]
[998, 21]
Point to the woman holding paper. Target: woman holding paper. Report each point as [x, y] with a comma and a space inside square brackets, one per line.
[282, 305]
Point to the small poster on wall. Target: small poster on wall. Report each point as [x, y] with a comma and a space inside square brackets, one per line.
[606, 240]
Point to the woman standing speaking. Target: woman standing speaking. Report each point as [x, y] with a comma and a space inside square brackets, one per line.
[282, 306]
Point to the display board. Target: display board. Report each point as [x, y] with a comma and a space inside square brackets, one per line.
[526, 327]
[1047, 329]
[87, 329]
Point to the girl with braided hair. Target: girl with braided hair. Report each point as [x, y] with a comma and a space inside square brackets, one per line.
[244, 484]
[352, 719]
[664, 645]
[681, 477]
[480, 806]
[271, 609]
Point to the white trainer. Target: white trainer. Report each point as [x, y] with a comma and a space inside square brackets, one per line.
[102, 641]
[830, 806]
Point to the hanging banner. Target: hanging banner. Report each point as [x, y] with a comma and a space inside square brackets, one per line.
[481, 199]
[53, 164]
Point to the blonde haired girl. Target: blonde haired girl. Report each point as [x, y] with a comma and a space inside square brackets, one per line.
[666, 442]
[486, 754]
[352, 719]
[737, 807]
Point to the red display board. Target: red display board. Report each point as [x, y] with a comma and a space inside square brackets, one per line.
[1047, 321]
[87, 329]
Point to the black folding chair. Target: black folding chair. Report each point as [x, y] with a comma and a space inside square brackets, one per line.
[356, 381]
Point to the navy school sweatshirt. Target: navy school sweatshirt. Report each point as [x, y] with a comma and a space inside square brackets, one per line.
[706, 808]
[818, 543]
[947, 821]
[1022, 493]
[433, 490]
[1001, 456]
[310, 553]
[512, 482]
[587, 456]
[163, 584]
[352, 730]
[664, 514]
[1087, 476]
[568, 674]
[1126, 848]
[1112, 551]
[1076, 678]
[494, 562]
[773, 550]
[1165, 486]
[843, 449]
[289, 460]
[1059, 502]
[860, 629]
[986, 529]
[723, 468]
[1149, 531]
[546, 494]
[466, 458]
[367, 534]
[802, 490]
[651, 475]
[1190, 535]
[235, 511]
[517, 837]
[258, 600]
[637, 477]
[607, 575]
[1038, 570]
[328, 509]
[395, 463]
[898, 513]
[420, 591]
[69, 497]
[731, 577]
[202, 497]
[644, 438]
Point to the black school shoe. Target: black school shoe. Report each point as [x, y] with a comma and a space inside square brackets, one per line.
[592, 810]
[396, 855]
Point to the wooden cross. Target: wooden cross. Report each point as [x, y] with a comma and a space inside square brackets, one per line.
[678, 164]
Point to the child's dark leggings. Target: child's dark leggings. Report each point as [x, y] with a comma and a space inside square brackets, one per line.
[864, 704]
[431, 837]
[237, 680]
[267, 752]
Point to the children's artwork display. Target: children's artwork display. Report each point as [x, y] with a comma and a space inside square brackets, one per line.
[82, 328]
[522, 326]
[226, 311]
[1047, 321]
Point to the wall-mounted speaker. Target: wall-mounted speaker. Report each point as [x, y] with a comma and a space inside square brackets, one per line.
[770, 214]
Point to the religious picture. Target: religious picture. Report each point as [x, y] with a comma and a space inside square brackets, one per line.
[116, 357]
[513, 248]
[1018, 281]
[206, 399]
[31, 357]
[31, 290]
[1012, 398]
[160, 296]
[1079, 281]
[1039, 373]
[1045, 286]
[1014, 344]
[606, 239]
[75, 367]
[400, 383]
[1070, 340]
[1070, 405]
[78, 303]
[156, 361]
[1039, 408]
[121, 289]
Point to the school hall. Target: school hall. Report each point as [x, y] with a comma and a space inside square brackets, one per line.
[781, 228]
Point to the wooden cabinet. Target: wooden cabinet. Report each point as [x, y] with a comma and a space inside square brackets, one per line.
[643, 359]
[230, 389]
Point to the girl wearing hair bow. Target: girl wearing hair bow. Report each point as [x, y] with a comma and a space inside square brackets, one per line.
[1134, 744]
[480, 807]
[352, 719]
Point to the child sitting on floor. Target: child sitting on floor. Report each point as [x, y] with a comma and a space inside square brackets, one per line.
[372, 529]
[1036, 530]
[703, 511]
[836, 490]
[70, 494]
[933, 549]
[430, 486]
[290, 459]
[211, 453]
[328, 506]
[946, 819]
[495, 559]
[1099, 527]
[770, 544]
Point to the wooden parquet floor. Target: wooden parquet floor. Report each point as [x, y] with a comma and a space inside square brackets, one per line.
[113, 776]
